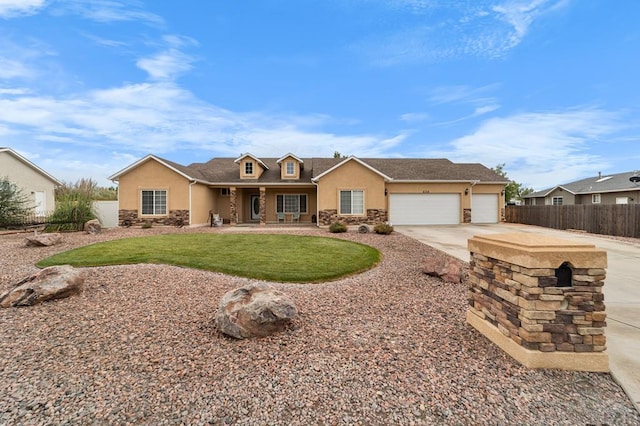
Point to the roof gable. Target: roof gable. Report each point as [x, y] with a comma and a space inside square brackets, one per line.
[31, 165]
[351, 158]
[186, 172]
[253, 157]
[284, 157]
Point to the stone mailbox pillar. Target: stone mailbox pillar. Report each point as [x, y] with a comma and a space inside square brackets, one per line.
[540, 299]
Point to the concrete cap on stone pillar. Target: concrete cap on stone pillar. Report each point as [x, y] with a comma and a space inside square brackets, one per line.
[537, 251]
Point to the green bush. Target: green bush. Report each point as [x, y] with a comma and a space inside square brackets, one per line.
[14, 203]
[147, 225]
[74, 206]
[383, 228]
[337, 227]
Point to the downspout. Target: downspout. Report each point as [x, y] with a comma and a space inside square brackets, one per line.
[190, 206]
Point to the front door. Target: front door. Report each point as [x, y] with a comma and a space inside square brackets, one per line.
[40, 203]
[255, 207]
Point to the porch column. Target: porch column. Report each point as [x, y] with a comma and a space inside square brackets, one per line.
[263, 206]
[233, 209]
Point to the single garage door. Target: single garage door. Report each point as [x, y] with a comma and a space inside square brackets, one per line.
[484, 208]
[424, 209]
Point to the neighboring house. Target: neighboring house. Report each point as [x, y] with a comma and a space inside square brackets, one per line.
[290, 189]
[38, 185]
[621, 188]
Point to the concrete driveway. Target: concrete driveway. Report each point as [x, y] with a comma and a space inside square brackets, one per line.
[621, 289]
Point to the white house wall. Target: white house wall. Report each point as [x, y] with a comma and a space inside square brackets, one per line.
[28, 179]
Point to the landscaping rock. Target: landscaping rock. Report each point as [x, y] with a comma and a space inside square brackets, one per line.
[255, 310]
[447, 269]
[93, 227]
[43, 240]
[55, 282]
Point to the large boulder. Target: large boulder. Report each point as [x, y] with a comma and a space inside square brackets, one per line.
[254, 310]
[43, 240]
[93, 227]
[54, 282]
[445, 268]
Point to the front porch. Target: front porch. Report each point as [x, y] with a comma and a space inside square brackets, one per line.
[279, 206]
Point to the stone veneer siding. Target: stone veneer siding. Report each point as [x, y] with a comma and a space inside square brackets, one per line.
[466, 216]
[172, 219]
[374, 216]
[526, 306]
[233, 206]
[263, 206]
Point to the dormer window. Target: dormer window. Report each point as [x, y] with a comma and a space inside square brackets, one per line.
[248, 168]
[291, 168]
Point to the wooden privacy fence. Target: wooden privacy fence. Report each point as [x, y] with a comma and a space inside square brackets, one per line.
[622, 220]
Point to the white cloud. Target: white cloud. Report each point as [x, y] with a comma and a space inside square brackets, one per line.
[108, 11]
[462, 94]
[14, 8]
[539, 149]
[11, 68]
[414, 117]
[170, 62]
[448, 29]
[166, 65]
[160, 118]
[519, 15]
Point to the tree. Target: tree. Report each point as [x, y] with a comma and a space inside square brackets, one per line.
[513, 190]
[14, 203]
[336, 154]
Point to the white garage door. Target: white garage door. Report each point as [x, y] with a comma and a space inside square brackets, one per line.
[424, 209]
[484, 208]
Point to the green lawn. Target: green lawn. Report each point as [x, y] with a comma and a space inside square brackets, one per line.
[284, 258]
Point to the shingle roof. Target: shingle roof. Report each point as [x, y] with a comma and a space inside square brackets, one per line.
[593, 185]
[225, 170]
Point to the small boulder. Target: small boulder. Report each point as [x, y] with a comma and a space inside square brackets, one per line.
[254, 310]
[54, 282]
[447, 269]
[93, 227]
[43, 240]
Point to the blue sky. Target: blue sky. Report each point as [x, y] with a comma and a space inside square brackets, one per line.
[548, 87]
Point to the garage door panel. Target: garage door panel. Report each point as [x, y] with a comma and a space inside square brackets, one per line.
[484, 208]
[424, 209]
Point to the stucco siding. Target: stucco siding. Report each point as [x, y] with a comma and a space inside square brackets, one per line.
[202, 201]
[153, 176]
[28, 180]
[354, 176]
[431, 188]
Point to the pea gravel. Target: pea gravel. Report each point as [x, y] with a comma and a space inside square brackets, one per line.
[389, 346]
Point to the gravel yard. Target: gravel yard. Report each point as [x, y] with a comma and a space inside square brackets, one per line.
[389, 346]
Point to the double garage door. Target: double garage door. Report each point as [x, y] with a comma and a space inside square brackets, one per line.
[440, 209]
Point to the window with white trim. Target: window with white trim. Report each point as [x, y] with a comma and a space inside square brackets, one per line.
[352, 202]
[556, 201]
[225, 192]
[291, 203]
[154, 202]
[595, 198]
[248, 168]
[290, 168]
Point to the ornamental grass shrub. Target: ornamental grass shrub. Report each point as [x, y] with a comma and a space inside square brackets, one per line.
[383, 228]
[337, 227]
[74, 206]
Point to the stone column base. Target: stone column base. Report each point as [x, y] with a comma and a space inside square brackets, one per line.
[575, 361]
